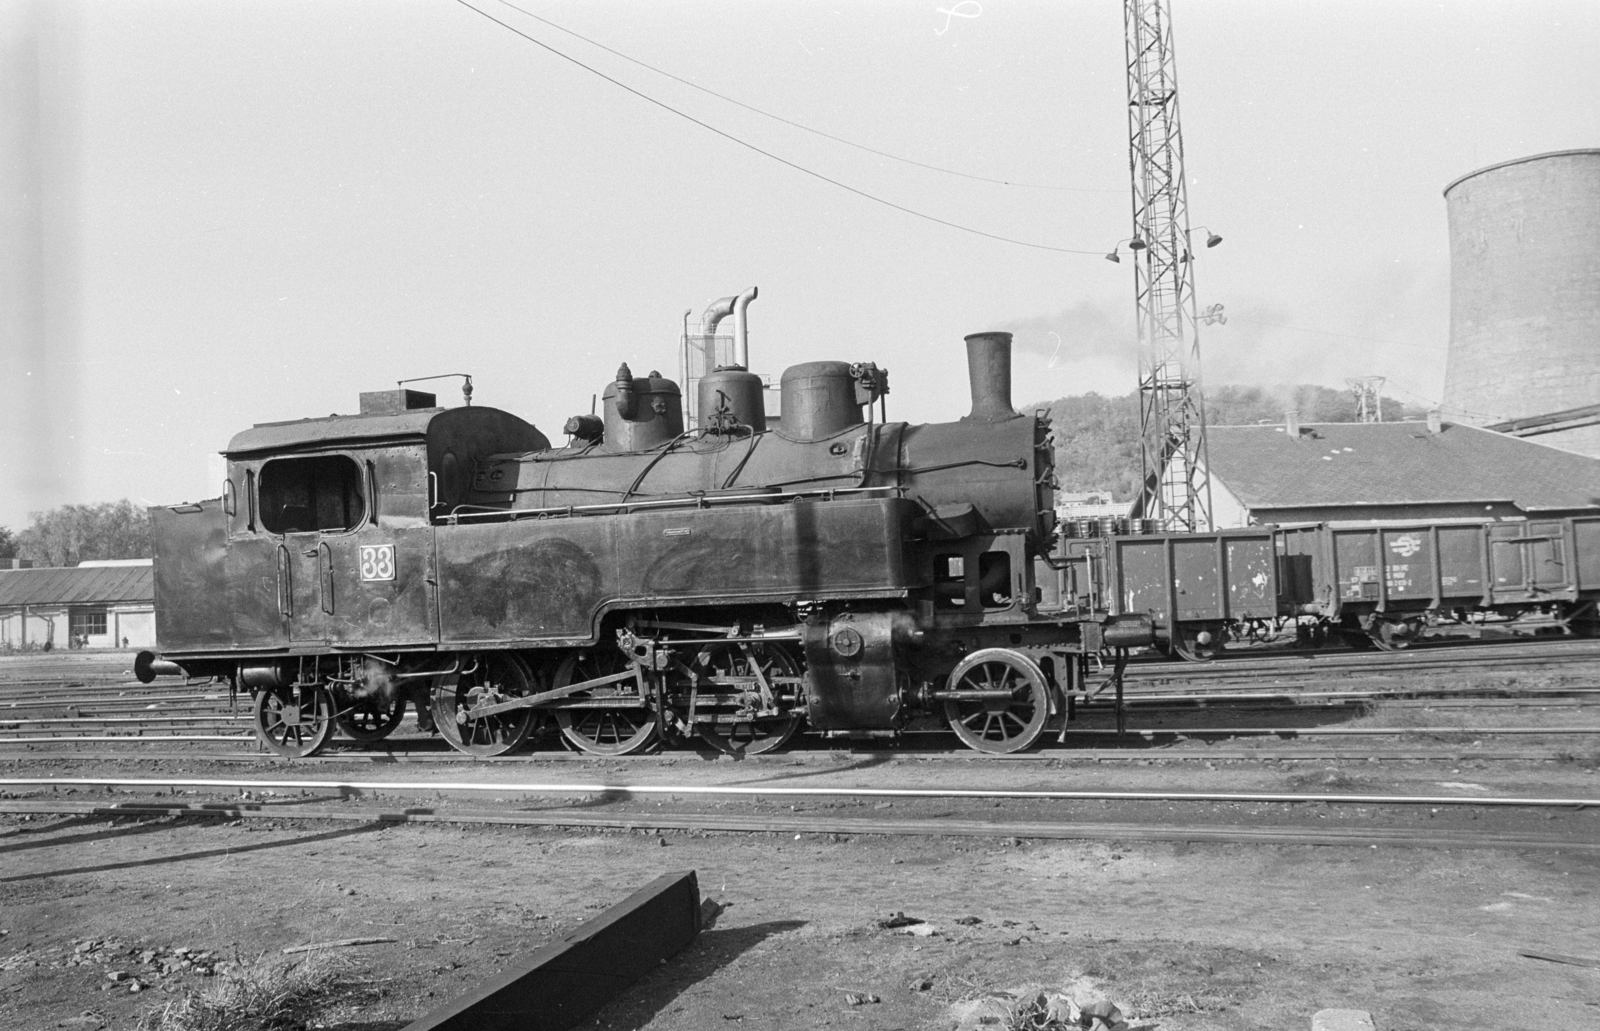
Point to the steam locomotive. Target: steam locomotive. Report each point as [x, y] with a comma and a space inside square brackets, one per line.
[725, 582]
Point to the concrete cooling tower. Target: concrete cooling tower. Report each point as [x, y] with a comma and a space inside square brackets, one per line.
[1525, 298]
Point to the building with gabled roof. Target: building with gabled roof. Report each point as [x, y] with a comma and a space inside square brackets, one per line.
[91, 605]
[1385, 471]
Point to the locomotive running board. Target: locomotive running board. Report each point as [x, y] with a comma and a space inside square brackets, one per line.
[567, 980]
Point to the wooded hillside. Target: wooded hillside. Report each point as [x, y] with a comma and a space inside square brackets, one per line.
[1097, 437]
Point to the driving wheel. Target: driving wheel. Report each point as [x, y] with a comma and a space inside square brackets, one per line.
[616, 729]
[488, 678]
[752, 696]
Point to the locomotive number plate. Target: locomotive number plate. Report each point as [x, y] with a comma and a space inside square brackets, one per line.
[377, 562]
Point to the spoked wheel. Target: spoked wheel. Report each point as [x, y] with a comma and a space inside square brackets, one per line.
[756, 692]
[1198, 643]
[620, 730]
[1005, 722]
[371, 718]
[1394, 636]
[295, 722]
[487, 678]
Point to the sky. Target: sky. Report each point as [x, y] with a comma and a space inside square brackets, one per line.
[253, 212]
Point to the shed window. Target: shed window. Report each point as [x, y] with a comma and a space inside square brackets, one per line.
[300, 495]
[87, 622]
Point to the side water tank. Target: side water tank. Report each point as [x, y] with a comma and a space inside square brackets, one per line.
[642, 412]
[819, 399]
[731, 401]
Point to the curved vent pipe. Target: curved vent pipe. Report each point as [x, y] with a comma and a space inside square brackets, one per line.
[721, 309]
[741, 328]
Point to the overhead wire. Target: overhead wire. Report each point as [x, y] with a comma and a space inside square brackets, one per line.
[767, 153]
[798, 125]
[1469, 413]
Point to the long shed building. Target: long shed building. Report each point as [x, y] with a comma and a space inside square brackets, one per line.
[1391, 471]
[107, 604]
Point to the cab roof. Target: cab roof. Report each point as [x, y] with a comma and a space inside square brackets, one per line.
[306, 434]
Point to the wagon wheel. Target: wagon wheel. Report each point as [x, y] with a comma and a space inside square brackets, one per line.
[1351, 631]
[487, 679]
[769, 724]
[1198, 643]
[619, 731]
[371, 717]
[999, 725]
[295, 722]
[1393, 636]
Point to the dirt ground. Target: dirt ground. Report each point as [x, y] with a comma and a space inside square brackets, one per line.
[1182, 936]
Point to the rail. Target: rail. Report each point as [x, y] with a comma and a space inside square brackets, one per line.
[618, 791]
[818, 825]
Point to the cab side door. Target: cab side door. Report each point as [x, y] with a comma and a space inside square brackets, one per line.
[350, 576]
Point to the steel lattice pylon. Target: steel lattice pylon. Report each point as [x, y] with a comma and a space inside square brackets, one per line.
[1177, 486]
[1369, 397]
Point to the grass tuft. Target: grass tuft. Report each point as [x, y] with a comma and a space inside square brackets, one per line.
[268, 994]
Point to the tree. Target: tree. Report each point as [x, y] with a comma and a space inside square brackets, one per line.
[1250, 406]
[1097, 443]
[1097, 438]
[71, 534]
[8, 543]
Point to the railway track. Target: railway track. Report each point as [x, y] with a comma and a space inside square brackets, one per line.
[15, 745]
[838, 826]
[1256, 664]
[90, 700]
[1086, 756]
[358, 801]
[541, 789]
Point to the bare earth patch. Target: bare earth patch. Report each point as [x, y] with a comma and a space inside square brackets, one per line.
[1178, 936]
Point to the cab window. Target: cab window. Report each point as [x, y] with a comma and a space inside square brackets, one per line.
[300, 495]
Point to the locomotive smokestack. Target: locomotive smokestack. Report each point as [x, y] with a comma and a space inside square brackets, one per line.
[989, 369]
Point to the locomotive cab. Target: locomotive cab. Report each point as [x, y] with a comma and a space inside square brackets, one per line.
[323, 535]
